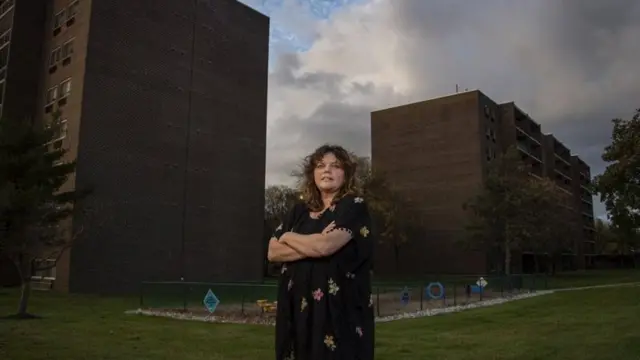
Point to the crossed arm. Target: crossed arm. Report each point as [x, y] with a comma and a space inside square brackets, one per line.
[293, 246]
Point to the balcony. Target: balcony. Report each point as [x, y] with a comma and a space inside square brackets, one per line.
[562, 152]
[561, 164]
[585, 182]
[529, 148]
[522, 135]
[535, 169]
[563, 181]
[527, 126]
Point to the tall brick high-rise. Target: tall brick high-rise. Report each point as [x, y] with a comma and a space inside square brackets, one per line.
[165, 105]
[436, 154]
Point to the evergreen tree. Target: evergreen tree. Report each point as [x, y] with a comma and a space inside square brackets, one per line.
[35, 205]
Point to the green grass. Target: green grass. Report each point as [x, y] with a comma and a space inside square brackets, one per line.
[588, 324]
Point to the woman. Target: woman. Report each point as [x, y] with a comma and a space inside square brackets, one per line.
[325, 307]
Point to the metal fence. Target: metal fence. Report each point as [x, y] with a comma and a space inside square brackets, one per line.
[390, 298]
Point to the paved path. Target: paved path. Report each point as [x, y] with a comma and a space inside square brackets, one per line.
[598, 286]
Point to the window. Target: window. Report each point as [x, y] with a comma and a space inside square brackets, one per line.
[4, 57]
[491, 135]
[58, 19]
[65, 88]
[55, 57]
[67, 49]
[491, 154]
[5, 6]
[72, 10]
[62, 131]
[5, 38]
[45, 269]
[52, 94]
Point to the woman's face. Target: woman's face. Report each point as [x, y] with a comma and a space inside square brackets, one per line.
[329, 174]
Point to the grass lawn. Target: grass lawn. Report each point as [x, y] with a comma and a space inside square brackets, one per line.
[588, 324]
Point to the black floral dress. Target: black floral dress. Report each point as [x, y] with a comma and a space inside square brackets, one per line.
[325, 307]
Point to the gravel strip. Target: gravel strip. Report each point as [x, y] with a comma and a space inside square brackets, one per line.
[458, 308]
[269, 320]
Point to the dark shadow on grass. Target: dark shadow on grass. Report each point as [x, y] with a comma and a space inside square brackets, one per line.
[21, 317]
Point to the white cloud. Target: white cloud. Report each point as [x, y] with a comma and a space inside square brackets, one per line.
[572, 65]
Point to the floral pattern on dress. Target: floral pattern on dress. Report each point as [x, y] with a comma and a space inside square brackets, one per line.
[303, 304]
[318, 294]
[333, 287]
[330, 342]
[291, 356]
[364, 231]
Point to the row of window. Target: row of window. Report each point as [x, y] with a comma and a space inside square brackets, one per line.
[61, 133]
[61, 53]
[490, 113]
[65, 16]
[5, 6]
[59, 92]
[491, 134]
[50, 269]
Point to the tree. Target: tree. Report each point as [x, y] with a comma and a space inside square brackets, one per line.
[501, 218]
[626, 242]
[34, 207]
[278, 200]
[605, 238]
[619, 185]
[553, 220]
[395, 220]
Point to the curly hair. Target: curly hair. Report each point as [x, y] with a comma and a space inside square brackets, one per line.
[308, 188]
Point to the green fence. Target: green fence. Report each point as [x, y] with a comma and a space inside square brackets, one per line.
[182, 295]
[389, 297]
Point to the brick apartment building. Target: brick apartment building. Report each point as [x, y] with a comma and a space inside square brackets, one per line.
[165, 104]
[436, 153]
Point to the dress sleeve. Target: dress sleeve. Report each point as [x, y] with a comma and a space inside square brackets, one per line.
[352, 216]
[289, 222]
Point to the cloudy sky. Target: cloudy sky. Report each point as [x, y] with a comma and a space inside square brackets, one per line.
[571, 64]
